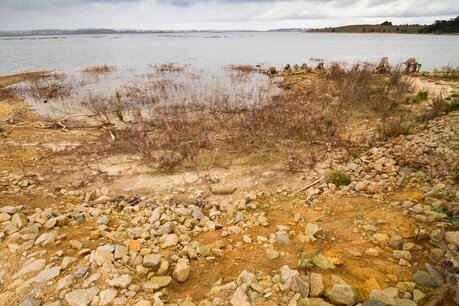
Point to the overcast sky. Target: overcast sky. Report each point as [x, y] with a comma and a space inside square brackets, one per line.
[216, 14]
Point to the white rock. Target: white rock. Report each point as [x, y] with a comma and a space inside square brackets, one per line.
[107, 296]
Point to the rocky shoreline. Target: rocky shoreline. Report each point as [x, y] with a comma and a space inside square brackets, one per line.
[94, 247]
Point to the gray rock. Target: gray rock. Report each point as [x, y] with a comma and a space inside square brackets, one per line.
[282, 238]
[300, 286]
[45, 239]
[48, 274]
[287, 275]
[404, 302]
[50, 223]
[81, 297]
[65, 282]
[151, 260]
[77, 245]
[316, 284]
[170, 240]
[91, 279]
[30, 301]
[223, 190]
[122, 281]
[239, 298]
[120, 251]
[312, 229]
[402, 254]
[374, 303]
[181, 271]
[424, 278]
[396, 242]
[102, 255]
[156, 282]
[452, 237]
[343, 295]
[165, 229]
[4, 217]
[196, 212]
[80, 272]
[68, 261]
[103, 220]
[55, 303]
[19, 220]
[322, 262]
[272, 254]
[381, 296]
[34, 266]
[107, 296]
[10, 209]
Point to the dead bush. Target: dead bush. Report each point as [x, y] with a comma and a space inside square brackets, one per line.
[168, 68]
[244, 68]
[48, 88]
[178, 119]
[7, 93]
[436, 107]
[105, 109]
[103, 69]
[167, 139]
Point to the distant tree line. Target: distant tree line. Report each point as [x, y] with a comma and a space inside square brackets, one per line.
[442, 26]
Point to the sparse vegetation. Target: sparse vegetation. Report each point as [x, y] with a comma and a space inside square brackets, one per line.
[446, 73]
[420, 96]
[225, 169]
[175, 119]
[48, 88]
[357, 153]
[338, 177]
[168, 68]
[453, 106]
[244, 68]
[103, 69]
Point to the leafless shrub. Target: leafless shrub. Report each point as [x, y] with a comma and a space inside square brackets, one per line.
[437, 106]
[447, 73]
[7, 93]
[168, 68]
[381, 95]
[165, 140]
[103, 69]
[105, 109]
[51, 87]
[176, 120]
[244, 68]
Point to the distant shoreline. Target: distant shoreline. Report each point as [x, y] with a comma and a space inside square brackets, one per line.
[438, 27]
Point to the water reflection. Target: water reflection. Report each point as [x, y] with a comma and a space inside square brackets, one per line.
[165, 85]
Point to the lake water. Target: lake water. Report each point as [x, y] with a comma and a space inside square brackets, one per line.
[215, 50]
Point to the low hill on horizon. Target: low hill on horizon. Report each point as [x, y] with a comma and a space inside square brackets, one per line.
[386, 27]
[438, 27]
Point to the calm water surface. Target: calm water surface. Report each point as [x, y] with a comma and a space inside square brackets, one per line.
[215, 50]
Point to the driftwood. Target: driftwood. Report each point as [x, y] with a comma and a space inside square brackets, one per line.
[412, 65]
[307, 186]
[57, 124]
[320, 66]
[383, 66]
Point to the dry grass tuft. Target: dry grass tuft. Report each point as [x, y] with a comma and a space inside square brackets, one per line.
[245, 68]
[443, 296]
[103, 69]
[48, 88]
[168, 68]
[169, 122]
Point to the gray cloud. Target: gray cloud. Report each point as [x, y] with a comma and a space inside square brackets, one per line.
[216, 14]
